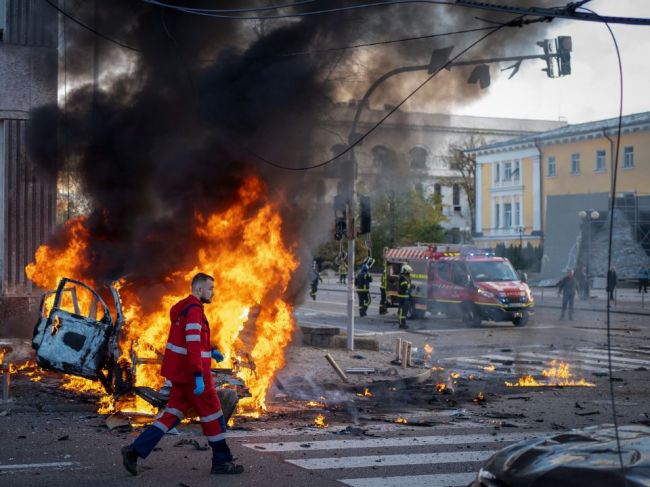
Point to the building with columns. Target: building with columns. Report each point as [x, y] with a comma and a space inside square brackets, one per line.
[534, 188]
[413, 148]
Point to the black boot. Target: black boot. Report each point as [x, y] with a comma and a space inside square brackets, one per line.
[130, 460]
[227, 468]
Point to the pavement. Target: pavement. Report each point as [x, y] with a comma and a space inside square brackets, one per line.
[54, 437]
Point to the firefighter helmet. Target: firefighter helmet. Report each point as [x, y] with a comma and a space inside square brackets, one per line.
[406, 269]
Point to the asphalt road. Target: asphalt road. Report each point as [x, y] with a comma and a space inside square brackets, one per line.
[56, 440]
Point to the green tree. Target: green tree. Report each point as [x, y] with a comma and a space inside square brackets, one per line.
[405, 218]
[465, 164]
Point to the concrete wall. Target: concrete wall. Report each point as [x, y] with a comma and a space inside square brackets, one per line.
[28, 79]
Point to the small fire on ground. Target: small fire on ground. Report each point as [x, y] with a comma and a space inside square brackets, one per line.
[315, 404]
[319, 422]
[559, 374]
[401, 420]
[366, 393]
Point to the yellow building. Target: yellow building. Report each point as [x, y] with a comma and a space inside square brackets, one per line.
[516, 179]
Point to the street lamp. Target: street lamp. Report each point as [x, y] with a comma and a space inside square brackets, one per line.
[588, 216]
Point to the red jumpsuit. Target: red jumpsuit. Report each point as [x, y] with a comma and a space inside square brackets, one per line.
[187, 353]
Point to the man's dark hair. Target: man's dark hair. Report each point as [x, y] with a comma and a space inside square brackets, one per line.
[201, 278]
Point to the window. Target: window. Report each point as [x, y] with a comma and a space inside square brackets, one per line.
[383, 157]
[507, 171]
[550, 166]
[497, 172]
[600, 161]
[575, 163]
[459, 274]
[515, 172]
[628, 157]
[507, 215]
[442, 269]
[437, 190]
[455, 197]
[419, 158]
[517, 213]
[497, 215]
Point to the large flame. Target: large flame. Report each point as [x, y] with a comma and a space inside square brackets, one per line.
[252, 266]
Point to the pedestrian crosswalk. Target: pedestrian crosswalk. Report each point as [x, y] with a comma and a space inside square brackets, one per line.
[582, 359]
[395, 459]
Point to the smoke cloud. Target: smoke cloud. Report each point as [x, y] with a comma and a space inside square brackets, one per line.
[173, 128]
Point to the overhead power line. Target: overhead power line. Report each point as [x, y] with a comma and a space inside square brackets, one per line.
[566, 12]
[384, 118]
[91, 29]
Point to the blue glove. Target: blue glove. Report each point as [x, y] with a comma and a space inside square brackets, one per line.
[217, 355]
[200, 386]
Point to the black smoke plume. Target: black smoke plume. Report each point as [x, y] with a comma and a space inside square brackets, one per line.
[172, 126]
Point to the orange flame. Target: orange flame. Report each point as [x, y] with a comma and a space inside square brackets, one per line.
[441, 387]
[401, 420]
[490, 368]
[319, 421]
[559, 374]
[245, 252]
[366, 393]
[315, 404]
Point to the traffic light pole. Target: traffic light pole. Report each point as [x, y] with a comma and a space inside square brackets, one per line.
[354, 136]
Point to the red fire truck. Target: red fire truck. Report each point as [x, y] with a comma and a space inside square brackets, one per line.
[460, 281]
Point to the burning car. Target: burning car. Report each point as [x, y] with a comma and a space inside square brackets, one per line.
[77, 333]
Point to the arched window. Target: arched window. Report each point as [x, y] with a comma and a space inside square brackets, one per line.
[383, 157]
[419, 158]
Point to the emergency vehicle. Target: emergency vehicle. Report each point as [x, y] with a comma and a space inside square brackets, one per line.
[460, 281]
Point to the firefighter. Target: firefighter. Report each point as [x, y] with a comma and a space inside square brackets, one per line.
[314, 278]
[404, 294]
[383, 304]
[186, 364]
[343, 273]
[363, 289]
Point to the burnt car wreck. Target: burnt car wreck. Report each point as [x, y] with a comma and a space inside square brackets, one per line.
[77, 333]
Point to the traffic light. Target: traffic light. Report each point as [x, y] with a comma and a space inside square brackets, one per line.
[563, 48]
[548, 46]
[366, 219]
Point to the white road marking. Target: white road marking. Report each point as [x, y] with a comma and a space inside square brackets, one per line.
[33, 466]
[603, 358]
[401, 441]
[435, 480]
[392, 460]
[583, 363]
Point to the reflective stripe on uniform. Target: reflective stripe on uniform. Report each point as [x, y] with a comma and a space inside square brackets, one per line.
[192, 326]
[219, 437]
[175, 412]
[206, 355]
[211, 417]
[161, 426]
[174, 348]
[192, 338]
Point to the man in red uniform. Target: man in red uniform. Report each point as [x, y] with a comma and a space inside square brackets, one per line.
[187, 365]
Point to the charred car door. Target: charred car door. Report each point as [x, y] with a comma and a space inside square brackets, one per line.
[73, 331]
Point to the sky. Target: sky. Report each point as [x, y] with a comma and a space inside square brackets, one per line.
[591, 92]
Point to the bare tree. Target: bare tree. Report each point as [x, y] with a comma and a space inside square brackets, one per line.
[459, 160]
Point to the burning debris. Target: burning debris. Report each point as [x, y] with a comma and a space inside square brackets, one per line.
[366, 393]
[479, 398]
[559, 375]
[442, 388]
[315, 404]
[490, 368]
[319, 422]
[401, 420]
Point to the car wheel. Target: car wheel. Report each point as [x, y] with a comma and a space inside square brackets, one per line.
[521, 320]
[471, 316]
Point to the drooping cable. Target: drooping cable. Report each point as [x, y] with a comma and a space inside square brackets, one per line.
[382, 119]
[610, 241]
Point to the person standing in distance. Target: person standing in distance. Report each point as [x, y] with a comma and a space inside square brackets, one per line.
[186, 364]
[567, 287]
